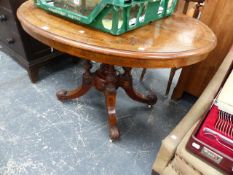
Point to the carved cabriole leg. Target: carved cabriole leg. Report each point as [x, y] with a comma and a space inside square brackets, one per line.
[126, 82]
[106, 81]
[110, 95]
[86, 85]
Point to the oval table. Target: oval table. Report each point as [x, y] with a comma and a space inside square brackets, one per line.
[175, 41]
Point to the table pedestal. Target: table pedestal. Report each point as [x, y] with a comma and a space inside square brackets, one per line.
[107, 80]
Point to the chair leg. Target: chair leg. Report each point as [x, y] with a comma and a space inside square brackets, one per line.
[143, 74]
[197, 10]
[172, 74]
[186, 6]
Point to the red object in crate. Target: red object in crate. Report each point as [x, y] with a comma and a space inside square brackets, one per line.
[212, 139]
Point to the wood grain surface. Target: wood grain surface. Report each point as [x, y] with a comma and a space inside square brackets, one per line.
[194, 79]
[175, 41]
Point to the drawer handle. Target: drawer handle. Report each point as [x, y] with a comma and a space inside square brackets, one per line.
[3, 18]
[10, 40]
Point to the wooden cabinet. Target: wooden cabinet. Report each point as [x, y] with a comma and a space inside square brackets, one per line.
[27, 51]
[218, 16]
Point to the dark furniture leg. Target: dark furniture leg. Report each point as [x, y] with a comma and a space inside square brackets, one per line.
[172, 74]
[78, 92]
[126, 82]
[33, 74]
[106, 80]
[186, 6]
[110, 95]
[143, 74]
[197, 10]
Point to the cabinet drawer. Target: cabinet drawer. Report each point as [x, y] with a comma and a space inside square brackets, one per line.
[13, 41]
[17, 44]
[9, 31]
[7, 20]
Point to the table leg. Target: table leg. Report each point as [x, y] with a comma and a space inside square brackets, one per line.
[78, 92]
[126, 82]
[106, 80]
[110, 95]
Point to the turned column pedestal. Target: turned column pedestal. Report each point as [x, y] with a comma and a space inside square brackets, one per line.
[107, 80]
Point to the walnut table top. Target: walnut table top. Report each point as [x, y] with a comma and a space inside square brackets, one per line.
[175, 41]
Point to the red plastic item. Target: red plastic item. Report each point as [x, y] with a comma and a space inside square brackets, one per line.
[212, 139]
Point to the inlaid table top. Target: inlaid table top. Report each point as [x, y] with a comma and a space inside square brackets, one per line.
[175, 41]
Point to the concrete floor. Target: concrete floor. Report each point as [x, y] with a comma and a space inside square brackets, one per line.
[41, 136]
